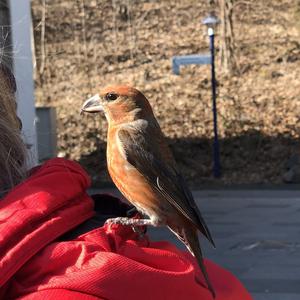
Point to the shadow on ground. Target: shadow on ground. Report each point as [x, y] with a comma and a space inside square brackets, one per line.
[251, 158]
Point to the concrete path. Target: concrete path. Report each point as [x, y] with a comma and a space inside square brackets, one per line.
[257, 234]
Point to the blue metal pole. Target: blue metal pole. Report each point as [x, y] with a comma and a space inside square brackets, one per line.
[216, 151]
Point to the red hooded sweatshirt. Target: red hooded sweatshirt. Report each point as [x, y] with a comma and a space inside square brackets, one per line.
[104, 263]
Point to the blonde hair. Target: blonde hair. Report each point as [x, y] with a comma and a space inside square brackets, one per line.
[12, 147]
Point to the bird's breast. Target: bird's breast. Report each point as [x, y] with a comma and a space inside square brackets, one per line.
[131, 183]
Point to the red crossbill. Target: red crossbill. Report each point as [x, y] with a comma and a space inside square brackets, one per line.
[143, 168]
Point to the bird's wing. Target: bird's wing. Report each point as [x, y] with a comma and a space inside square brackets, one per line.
[147, 158]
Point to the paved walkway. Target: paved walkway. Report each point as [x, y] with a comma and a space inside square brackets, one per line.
[257, 234]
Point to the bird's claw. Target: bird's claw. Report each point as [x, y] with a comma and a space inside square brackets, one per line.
[140, 230]
[113, 221]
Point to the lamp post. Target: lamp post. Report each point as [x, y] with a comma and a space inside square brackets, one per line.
[211, 22]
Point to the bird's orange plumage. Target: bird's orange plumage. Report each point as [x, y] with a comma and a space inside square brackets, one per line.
[142, 166]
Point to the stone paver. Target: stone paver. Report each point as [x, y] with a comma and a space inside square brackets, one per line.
[257, 234]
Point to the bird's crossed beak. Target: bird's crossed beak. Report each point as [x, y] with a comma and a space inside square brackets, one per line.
[92, 105]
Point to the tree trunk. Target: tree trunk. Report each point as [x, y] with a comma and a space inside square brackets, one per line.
[228, 60]
[5, 34]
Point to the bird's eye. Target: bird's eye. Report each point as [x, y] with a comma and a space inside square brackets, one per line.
[111, 96]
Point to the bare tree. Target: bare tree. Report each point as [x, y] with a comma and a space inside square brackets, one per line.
[43, 45]
[228, 59]
[5, 34]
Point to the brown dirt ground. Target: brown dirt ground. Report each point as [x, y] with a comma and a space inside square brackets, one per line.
[103, 42]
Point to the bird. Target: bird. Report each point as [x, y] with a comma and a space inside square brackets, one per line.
[143, 168]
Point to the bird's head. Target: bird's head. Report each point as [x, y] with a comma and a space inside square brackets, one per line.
[119, 104]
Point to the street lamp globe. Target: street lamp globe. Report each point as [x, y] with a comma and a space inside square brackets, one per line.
[211, 22]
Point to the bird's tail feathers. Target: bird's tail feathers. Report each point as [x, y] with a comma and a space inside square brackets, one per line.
[190, 239]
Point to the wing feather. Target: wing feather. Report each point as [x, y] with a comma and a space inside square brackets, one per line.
[148, 159]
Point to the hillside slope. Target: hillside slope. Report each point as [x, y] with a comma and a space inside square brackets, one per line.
[90, 44]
